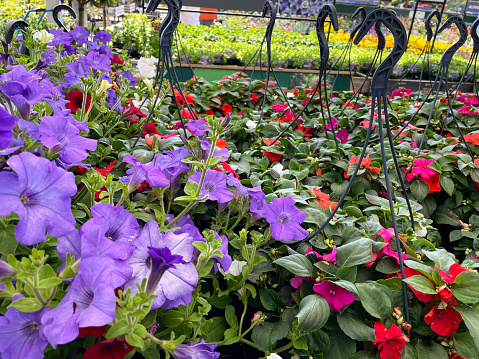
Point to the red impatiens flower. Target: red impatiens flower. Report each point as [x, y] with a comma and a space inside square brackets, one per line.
[446, 295]
[116, 348]
[227, 108]
[209, 112]
[454, 271]
[93, 331]
[75, 103]
[228, 169]
[221, 143]
[150, 128]
[323, 199]
[390, 341]
[273, 157]
[181, 101]
[365, 163]
[304, 130]
[81, 170]
[132, 112]
[423, 297]
[107, 170]
[254, 97]
[445, 321]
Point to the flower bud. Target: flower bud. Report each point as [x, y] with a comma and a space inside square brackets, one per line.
[104, 85]
[183, 139]
[226, 120]
[6, 270]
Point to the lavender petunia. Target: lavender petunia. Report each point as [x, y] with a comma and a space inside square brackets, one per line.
[176, 284]
[19, 74]
[102, 37]
[60, 38]
[22, 334]
[127, 75]
[6, 128]
[56, 132]
[186, 225]
[96, 61]
[285, 220]
[214, 186]
[257, 204]
[194, 350]
[75, 70]
[122, 225]
[90, 302]
[206, 147]
[40, 194]
[225, 262]
[69, 243]
[79, 35]
[171, 165]
[99, 49]
[140, 173]
[22, 95]
[198, 128]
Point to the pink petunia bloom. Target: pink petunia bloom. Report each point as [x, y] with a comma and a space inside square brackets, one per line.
[365, 124]
[421, 168]
[334, 122]
[336, 296]
[342, 136]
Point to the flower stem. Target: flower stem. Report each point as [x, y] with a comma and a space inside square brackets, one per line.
[283, 348]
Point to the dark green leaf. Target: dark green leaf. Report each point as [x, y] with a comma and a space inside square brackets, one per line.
[230, 316]
[447, 184]
[270, 299]
[347, 273]
[465, 346]
[355, 253]
[354, 327]
[297, 264]
[471, 318]
[313, 313]
[374, 299]
[421, 284]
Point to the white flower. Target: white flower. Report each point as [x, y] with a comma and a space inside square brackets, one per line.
[279, 169]
[149, 83]
[146, 66]
[236, 267]
[43, 36]
[251, 125]
[273, 356]
[104, 85]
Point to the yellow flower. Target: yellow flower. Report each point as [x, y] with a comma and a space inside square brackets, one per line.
[149, 83]
[104, 85]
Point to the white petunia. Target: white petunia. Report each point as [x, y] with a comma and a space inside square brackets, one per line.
[146, 66]
[43, 36]
[279, 169]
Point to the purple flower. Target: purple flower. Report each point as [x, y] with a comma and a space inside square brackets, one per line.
[225, 262]
[90, 302]
[72, 77]
[257, 204]
[6, 126]
[56, 100]
[285, 220]
[161, 260]
[69, 243]
[140, 173]
[99, 49]
[171, 165]
[206, 147]
[195, 350]
[342, 136]
[22, 334]
[198, 128]
[214, 186]
[127, 75]
[336, 296]
[122, 225]
[112, 100]
[13, 146]
[102, 37]
[40, 194]
[185, 225]
[176, 284]
[61, 38]
[56, 132]
[79, 35]
[20, 74]
[22, 95]
[96, 61]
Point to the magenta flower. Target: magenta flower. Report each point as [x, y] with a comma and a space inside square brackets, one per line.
[342, 136]
[194, 350]
[471, 101]
[336, 296]
[421, 168]
[285, 220]
[404, 92]
[56, 132]
[6, 127]
[464, 110]
[90, 302]
[279, 107]
[40, 194]
[334, 122]
[22, 334]
[214, 186]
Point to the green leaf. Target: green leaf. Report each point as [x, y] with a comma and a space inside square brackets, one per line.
[135, 340]
[49, 283]
[442, 258]
[374, 299]
[270, 299]
[173, 318]
[230, 316]
[342, 347]
[465, 346]
[8, 243]
[471, 319]
[347, 273]
[355, 253]
[313, 313]
[297, 264]
[447, 184]
[266, 334]
[353, 211]
[419, 189]
[421, 284]
[119, 329]
[318, 342]
[420, 267]
[465, 287]
[214, 329]
[354, 327]
[347, 285]
[433, 351]
[26, 305]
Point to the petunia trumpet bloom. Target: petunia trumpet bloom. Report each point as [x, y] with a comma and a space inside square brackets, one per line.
[196, 350]
[140, 173]
[285, 220]
[40, 194]
[214, 186]
[6, 128]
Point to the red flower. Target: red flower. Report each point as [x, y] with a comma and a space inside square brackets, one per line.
[181, 101]
[150, 128]
[423, 297]
[305, 130]
[107, 170]
[228, 169]
[209, 112]
[390, 342]
[444, 322]
[254, 97]
[433, 183]
[132, 112]
[454, 271]
[116, 60]
[81, 170]
[76, 100]
[221, 143]
[116, 348]
[273, 157]
[446, 295]
[227, 108]
[93, 331]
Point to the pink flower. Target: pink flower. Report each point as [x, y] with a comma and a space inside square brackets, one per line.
[342, 136]
[334, 122]
[297, 281]
[402, 92]
[331, 257]
[461, 98]
[149, 138]
[464, 110]
[278, 107]
[365, 124]
[421, 168]
[471, 101]
[336, 296]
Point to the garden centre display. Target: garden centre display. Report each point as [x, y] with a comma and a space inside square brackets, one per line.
[142, 217]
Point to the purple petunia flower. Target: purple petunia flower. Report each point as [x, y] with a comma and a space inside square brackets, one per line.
[127, 75]
[56, 132]
[214, 185]
[336, 296]
[122, 225]
[22, 334]
[102, 37]
[40, 194]
[60, 38]
[198, 128]
[99, 49]
[285, 220]
[79, 35]
[75, 70]
[140, 173]
[90, 302]
[186, 225]
[171, 165]
[112, 100]
[225, 262]
[257, 204]
[206, 147]
[6, 126]
[177, 283]
[96, 61]
[19, 74]
[22, 95]
[194, 350]
[161, 259]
